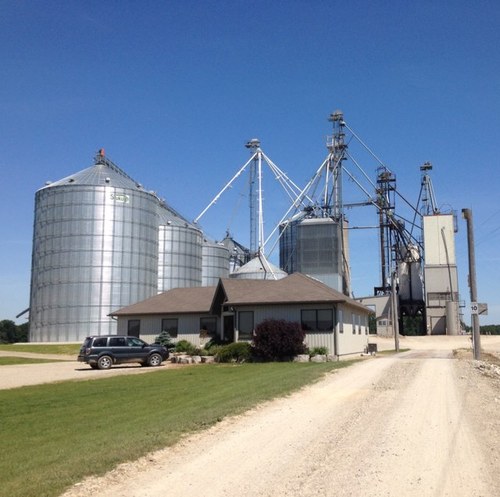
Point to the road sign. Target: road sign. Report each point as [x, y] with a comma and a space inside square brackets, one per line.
[480, 309]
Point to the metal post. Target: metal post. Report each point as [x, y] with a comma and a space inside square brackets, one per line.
[476, 336]
[395, 312]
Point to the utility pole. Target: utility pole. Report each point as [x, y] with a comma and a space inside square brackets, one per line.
[476, 336]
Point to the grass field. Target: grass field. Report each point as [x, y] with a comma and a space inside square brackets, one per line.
[40, 348]
[52, 436]
[10, 361]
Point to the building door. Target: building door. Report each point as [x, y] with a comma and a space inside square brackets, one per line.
[229, 327]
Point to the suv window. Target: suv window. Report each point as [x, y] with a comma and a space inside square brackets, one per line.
[135, 342]
[100, 342]
[117, 342]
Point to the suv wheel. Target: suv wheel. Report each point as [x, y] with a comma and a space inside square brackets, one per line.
[104, 362]
[154, 360]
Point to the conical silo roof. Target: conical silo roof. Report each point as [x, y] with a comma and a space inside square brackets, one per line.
[259, 268]
[102, 173]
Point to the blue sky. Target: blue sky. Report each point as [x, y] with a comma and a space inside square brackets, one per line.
[172, 90]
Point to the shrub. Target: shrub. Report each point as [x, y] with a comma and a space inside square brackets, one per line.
[234, 352]
[210, 351]
[165, 339]
[318, 351]
[278, 339]
[186, 347]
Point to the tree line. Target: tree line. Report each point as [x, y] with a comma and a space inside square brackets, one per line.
[11, 332]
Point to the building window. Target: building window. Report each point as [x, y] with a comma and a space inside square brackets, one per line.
[353, 321]
[308, 319]
[171, 326]
[208, 326]
[341, 320]
[245, 325]
[317, 320]
[134, 327]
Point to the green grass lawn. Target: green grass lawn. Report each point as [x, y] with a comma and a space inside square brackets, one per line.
[10, 361]
[40, 348]
[52, 436]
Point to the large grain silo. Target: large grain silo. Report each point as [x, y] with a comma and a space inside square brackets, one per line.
[216, 262]
[180, 251]
[95, 249]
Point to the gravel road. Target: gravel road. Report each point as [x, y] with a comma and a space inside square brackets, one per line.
[417, 424]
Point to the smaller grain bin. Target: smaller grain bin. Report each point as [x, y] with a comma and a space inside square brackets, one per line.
[215, 263]
[179, 251]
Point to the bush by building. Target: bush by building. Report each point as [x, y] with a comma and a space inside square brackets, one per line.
[277, 339]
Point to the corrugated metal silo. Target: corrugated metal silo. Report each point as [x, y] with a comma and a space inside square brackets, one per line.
[180, 251]
[95, 249]
[238, 254]
[215, 263]
[288, 244]
[313, 246]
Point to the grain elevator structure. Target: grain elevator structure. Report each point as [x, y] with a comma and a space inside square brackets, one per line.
[440, 275]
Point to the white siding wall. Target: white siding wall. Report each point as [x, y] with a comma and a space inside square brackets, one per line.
[353, 332]
[292, 313]
[351, 326]
[188, 326]
[347, 342]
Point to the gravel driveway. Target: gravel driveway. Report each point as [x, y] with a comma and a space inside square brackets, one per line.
[416, 424]
[34, 374]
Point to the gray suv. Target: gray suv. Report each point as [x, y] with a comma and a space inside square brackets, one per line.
[102, 351]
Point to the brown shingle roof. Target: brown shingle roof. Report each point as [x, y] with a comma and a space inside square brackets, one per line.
[294, 289]
[178, 301]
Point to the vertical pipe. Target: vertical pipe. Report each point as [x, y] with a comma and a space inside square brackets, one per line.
[395, 311]
[476, 336]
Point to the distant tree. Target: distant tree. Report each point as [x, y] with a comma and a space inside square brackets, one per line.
[23, 332]
[490, 329]
[10, 332]
[468, 329]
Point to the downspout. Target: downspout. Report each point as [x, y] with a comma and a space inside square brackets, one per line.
[335, 334]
